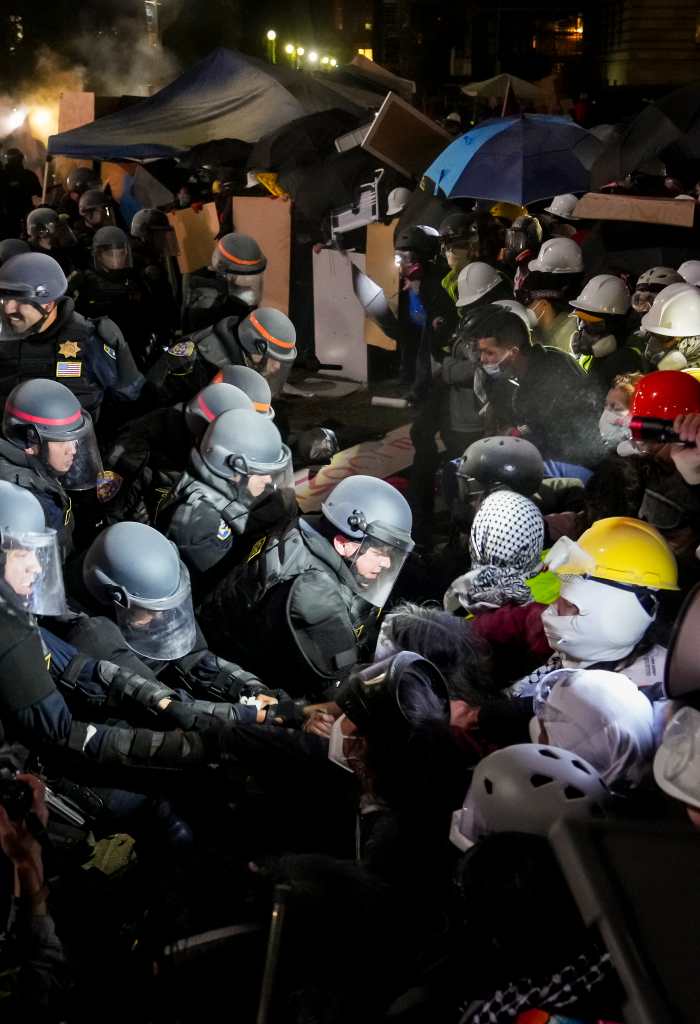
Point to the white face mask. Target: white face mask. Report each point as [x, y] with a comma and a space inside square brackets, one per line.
[614, 426]
[494, 369]
[604, 346]
[611, 621]
[336, 745]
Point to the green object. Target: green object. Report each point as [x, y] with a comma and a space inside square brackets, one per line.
[449, 283]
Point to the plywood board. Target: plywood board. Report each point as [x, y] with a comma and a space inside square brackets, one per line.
[381, 459]
[195, 230]
[381, 268]
[75, 109]
[339, 319]
[404, 138]
[269, 222]
[599, 206]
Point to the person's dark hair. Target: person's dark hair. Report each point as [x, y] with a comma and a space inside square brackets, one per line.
[449, 642]
[505, 327]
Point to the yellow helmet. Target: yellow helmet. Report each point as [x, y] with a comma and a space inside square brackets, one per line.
[623, 550]
[507, 211]
[694, 371]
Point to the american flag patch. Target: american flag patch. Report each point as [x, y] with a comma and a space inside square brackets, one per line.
[69, 369]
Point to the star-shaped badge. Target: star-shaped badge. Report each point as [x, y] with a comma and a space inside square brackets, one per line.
[69, 349]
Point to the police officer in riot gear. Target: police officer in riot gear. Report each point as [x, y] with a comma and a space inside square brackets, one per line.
[43, 336]
[237, 485]
[150, 453]
[299, 609]
[19, 188]
[49, 447]
[155, 250]
[113, 288]
[48, 233]
[265, 340]
[10, 247]
[231, 286]
[78, 181]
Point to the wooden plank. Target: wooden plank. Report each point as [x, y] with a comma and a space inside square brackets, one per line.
[599, 206]
[195, 231]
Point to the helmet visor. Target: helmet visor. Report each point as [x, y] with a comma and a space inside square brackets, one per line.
[31, 569]
[111, 258]
[275, 372]
[256, 482]
[75, 461]
[516, 240]
[98, 216]
[161, 630]
[378, 560]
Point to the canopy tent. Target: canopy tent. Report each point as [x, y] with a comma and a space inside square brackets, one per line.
[501, 85]
[225, 95]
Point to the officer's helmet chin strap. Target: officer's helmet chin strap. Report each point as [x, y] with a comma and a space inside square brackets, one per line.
[6, 328]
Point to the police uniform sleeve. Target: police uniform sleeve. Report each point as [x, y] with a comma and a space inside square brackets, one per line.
[321, 626]
[29, 701]
[201, 535]
[114, 364]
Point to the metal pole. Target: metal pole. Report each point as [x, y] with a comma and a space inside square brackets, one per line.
[274, 943]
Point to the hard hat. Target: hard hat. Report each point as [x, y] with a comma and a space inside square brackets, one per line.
[563, 206]
[238, 254]
[526, 788]
[203, 408]
[10, 247]
[476, 280]
[665, 394]
[510, 461]
[507, 211]
[396, 200]
[694, 371]
[454, 117]
[528, 316]
[359, 500]
[32, 277]
[675, 312]
[267, 331]
[624, 550]
[605, 295]
[658, 278]
[41, 222]
[558, 256]
[252, 383]
[690, 272]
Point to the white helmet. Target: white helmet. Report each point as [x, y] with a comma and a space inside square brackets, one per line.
[474, 281]
[604, 294]
[661, 277]
[528, 316]
[558, 256]
[690, 272]
[675, 312]
[396, 200]
[563, 206]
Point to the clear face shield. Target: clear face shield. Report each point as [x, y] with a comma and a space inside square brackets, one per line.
[164, 241]
[113, 258]
[460, 251]
[247, 288]
[160, 629]
[642, 300]
[76, 462]
[30, 565]
[516, 240]
[378, 560]
[275, 372]
[101, 216]
[256, 482]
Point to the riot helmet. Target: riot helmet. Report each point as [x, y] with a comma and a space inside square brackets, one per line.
[80, 179]
[42, 223]
[268, 339]
[247, 452]
[29, 282]
[10, 247]
[45, 416]
[459, 235]
[240, 262]
[152, 227]
[203, 408]
[13, 158]
[524, 236]
[138, 572]
[375, 522]
[95, 209]
[252, 383]
[111, 251]
[30, 563]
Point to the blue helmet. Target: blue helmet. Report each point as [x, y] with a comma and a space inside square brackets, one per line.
[33, 277]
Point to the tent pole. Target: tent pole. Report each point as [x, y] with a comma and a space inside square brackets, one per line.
[505, 99]
[45, 189]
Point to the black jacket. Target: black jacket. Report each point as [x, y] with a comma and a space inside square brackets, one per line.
[28, 471]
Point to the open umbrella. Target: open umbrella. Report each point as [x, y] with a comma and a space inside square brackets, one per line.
[501, 85]
[301, 141]
[516, 160]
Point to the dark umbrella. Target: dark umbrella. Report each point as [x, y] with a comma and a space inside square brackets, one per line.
[321, 187]
[516, 160]
[217, 153]
[302, 141]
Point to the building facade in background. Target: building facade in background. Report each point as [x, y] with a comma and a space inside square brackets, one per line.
[645, 43]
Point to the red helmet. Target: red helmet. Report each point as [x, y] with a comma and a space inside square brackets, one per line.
[666, 394]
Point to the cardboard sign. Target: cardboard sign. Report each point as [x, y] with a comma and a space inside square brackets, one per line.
[195, 231]
[404, 138]
[678, 213]
[269, 222]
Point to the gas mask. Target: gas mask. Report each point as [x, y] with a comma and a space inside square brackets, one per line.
[593, 338]
[614, 427]
[662, 353]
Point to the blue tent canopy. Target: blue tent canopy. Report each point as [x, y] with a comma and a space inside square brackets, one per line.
[225, 95]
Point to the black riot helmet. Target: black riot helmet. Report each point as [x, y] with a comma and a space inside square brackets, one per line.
[421, 241]
[42, 222]
[95, 209]
[10, 247]
[80, 179]
[499, 462]
[46, 415]
[152, 227]
[459, 227]
[13, 158]
[137, 572]
[398, 693]
[203, 408]
[111, 251]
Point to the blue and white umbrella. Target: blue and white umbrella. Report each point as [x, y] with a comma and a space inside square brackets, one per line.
[516, 160]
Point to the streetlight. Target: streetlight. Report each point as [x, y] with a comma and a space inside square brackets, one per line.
[325, 60]
[333, 62]
[313, 57]
[289, 49]
[300, 51]
[272, 46]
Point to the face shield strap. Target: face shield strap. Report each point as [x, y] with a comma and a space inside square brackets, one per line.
[647, 598]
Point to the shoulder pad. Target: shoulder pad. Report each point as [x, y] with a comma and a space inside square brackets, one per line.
[108, 332]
